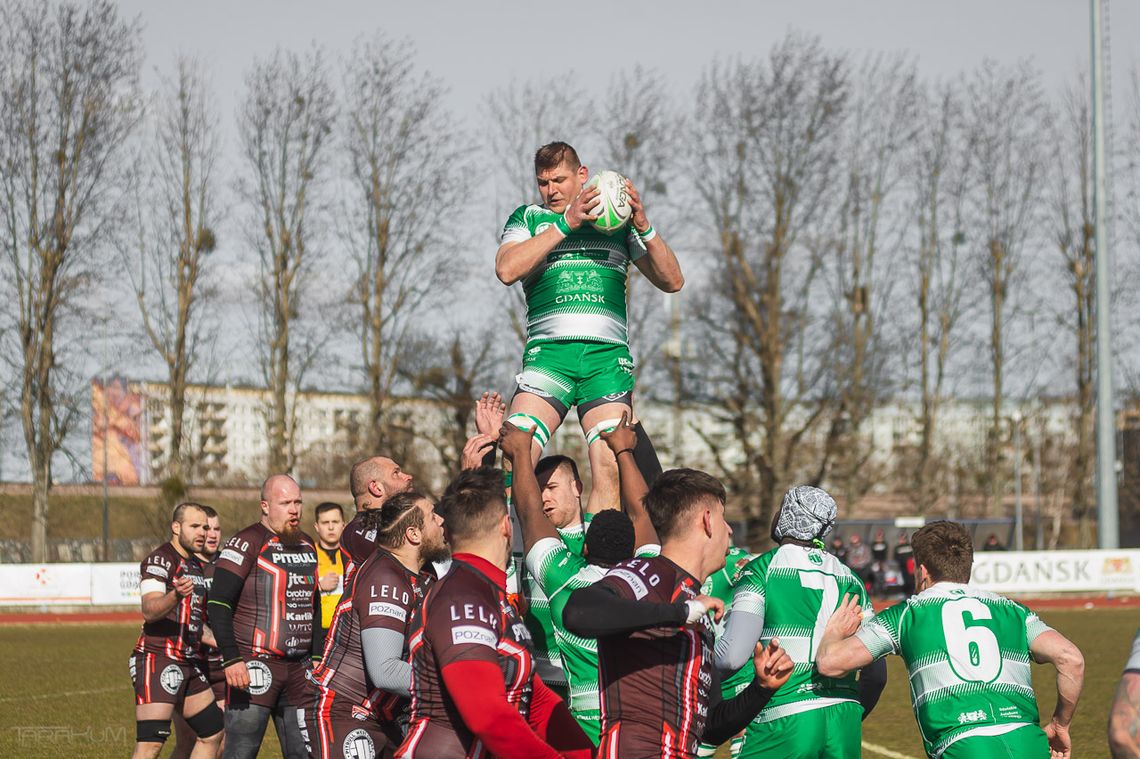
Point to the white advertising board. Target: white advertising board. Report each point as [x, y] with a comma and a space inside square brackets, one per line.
[114, 584]
[38, 584]
[1013, 572]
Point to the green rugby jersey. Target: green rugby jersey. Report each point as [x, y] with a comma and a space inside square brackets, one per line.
[578, 292]
[547, 657]
[967, 652]
[806, 586]
[561, 571]
[721, 584]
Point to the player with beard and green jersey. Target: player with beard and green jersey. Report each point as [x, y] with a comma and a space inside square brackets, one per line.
[968, 652]
[574, 278]
[789, 593]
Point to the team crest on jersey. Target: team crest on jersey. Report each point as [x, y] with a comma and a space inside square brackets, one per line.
[260, 677]
[358, 745]
[171, 678]
[815, 558]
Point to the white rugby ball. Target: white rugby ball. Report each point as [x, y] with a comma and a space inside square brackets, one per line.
[613, 209]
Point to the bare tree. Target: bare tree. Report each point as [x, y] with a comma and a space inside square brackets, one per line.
[177, 213]
[869, 224]
[404, 165]
[940, 175]
[640, 137]
[1074, 232]
[453, 371]
[285, 126]
[765, 136]
[69, 100]
[1007, 119]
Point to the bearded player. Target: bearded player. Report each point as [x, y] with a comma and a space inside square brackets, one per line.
[363, 682]
[968, 653]
[262, 604]
[574, 278]
[167, 668]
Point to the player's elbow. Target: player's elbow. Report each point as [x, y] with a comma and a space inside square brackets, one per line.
[1070, 662]
[674, 283]
[505, 274]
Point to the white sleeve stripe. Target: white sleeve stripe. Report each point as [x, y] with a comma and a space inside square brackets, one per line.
[514, 235]
[539, 553]
[150, 585]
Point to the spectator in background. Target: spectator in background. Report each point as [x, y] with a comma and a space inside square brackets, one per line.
[329, 524]
[904, 555]
[993, 544]
[859, 558]
[879, 568]
[838, 548]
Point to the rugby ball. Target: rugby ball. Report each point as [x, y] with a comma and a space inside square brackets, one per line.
[613, 208]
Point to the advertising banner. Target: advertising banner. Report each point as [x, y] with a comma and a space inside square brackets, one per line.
[1014, 572]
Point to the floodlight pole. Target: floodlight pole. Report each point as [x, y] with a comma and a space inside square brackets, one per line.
[1108, 518]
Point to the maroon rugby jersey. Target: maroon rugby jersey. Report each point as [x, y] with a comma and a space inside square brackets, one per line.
[357, 541]
[465, 616]
[656, 683]
[178, 635]
[382, 594]
[274, 614]
[213, 655]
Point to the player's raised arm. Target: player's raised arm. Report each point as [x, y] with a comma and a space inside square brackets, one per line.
[659, 264]
[518, 256]
[527, 496]
[1054, 648]
[622, 440]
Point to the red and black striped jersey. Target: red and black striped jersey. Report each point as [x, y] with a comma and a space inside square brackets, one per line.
[274, 613]
[382, 594]
[655, 684]
[178, 635]
[357, 542]
[465, 616]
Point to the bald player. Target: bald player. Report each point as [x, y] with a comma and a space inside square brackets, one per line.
[262, 604]
[372, 481]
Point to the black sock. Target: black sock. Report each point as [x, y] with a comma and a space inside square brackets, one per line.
[646, 456]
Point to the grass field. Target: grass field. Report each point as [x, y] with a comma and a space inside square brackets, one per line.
[65, 692]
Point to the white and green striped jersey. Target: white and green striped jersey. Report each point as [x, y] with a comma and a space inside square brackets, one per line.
[578, 292]
[721, 584]
[967, 652]
[547, 657]
[561, 571]
[806, 586]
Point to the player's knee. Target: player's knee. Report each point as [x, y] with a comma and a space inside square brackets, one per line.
[208, 724]
[526, 422]
[594, 434]
[152, 730]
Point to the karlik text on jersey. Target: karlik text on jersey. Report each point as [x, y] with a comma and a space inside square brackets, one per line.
[274, 613]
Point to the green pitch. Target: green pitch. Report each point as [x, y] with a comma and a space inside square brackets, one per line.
[65, 690]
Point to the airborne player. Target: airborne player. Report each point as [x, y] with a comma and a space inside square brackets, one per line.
[166, 666]
[574, 277]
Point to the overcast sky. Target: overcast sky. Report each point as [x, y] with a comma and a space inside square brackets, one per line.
[476, 46]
